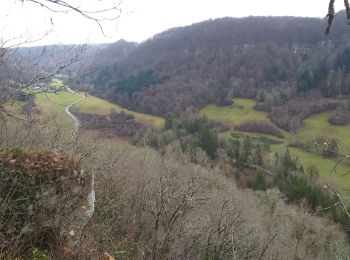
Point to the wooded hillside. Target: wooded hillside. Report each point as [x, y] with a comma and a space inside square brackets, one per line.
[229, 57]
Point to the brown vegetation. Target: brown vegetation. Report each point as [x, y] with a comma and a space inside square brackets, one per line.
[118, 124]
[290, 115]
[262, 127]
[211, 61]
[340, 118]
[103, 135]
[41, 192]
[155, 207]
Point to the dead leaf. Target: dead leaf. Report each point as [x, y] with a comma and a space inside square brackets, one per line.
[107, 256]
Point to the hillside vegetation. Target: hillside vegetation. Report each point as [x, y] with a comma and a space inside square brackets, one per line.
[241, 111]
[225, 139]
[319, 125]
[270, 59]
[94, 105]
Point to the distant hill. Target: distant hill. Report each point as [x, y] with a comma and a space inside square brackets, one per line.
[195, 65]
[50, 57]
[114, 52]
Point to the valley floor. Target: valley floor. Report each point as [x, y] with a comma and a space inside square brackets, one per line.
[317, 125]
[241, 111]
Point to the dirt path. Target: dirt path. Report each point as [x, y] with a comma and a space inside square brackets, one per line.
[91, 197]
[75, 119]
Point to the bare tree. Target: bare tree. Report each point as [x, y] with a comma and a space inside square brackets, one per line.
[111, 13]
[18, 72]
[339, 201]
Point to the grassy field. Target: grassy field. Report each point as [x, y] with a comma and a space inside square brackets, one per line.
[94, 105]
[262, 138]
[56, 83]
[54, 104]
[319, 125]
[242, 110]
[325, 165]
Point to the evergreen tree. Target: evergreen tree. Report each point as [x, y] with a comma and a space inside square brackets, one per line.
[288, 163]
[259, 182]
[313, 174]
[258, 157]
[246, 150]
[168, 124]
[209, 141]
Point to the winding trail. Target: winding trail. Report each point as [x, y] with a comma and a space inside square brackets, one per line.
[91, 197]
[75, 119]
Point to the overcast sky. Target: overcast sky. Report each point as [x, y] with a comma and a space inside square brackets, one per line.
[140, 18]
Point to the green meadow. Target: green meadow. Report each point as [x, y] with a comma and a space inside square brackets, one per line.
[319, 125]
[94, 105]
[56, 83]
[261, 138]
[56, 102]
[243, 110]
[52, 107]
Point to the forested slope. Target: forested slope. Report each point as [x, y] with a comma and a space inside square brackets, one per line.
[243, 57]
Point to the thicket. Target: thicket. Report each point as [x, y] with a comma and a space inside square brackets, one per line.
[193, 133]
[325, 146]
[341, 116]
[121, 124]
[138, 82]
[262, 127]
[297, 185]
[173, 209]
[248, 161]
[290, 115]
[148, 205]
[41, 193]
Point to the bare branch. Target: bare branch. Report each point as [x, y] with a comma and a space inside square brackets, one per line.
[331, 14]
[339, 198]
[97, 16]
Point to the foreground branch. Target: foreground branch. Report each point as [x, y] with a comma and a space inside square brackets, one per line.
[331, 14]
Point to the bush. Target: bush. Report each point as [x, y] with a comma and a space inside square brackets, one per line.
[224, 103]
[121, 124]
[39, 194]
[262, 127]
[339, 119]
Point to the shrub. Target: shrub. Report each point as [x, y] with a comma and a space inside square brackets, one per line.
[224, 103]
[262, 127]
[122, 124]
[39, 194]
[339, 119]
